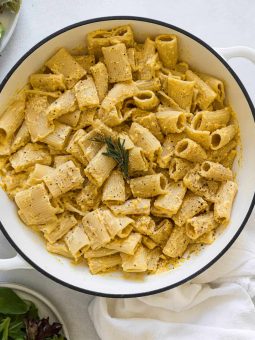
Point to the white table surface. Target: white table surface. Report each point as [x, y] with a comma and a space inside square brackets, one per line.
[220, 23]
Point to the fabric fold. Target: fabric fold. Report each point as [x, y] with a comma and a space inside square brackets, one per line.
[216, 305]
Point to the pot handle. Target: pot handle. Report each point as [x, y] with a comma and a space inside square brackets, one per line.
[237, 52]
[16, 262]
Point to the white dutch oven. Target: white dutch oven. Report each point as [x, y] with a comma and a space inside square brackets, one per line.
[201, 57]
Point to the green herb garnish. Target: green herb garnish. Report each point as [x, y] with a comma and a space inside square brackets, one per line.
[115, 150]
[19, 320]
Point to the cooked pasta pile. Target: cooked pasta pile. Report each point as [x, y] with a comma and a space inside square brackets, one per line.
[178, 137]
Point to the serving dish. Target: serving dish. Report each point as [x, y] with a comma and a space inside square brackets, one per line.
[201, 57]
[45, 307]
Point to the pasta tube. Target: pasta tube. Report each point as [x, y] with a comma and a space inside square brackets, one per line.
[66, 223]
[143, 138]
[35, 206]
[162, 232]
[181, 92]
[22, 138]
[151, 85]
[127, 245]
[201, 137]
[117, 63]
[170, 202]
[66, 177]
[59, 248]
[36, 119]
[29, 155]
[211, 120]
[114, 189]
[135, 263]
[63, 63]
[191, 206]
[66, 103]
[95, 229]
[224, 201]
[89, 196]
[177, 242]
[58, 138]
[103, 264]
[221, 137]
[100, 76]
[190, 150]
[11, 119]
[199, 185]
[86, 94]
[215, 84]
[150, 122]
[74, 147]
[215, 171]
[118, 94]
[167, 47]
[48, 82]
[101, 252]
[76, 239]
[117, 225]
[171, 121]
[100, 167]
[148, 186]
[201, 224]
[206, 95]
[178, 168]
[146, 100]
[137, 206]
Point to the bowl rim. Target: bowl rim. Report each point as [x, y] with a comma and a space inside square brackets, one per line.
[247, 97]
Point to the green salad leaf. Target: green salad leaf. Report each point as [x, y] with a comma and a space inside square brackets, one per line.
[19, 320]
[1, 30]
[4, 328]
[33, 311]
[10, 5]
[11, 303]
[16, 328]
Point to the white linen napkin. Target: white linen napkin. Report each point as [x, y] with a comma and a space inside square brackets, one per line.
[216, 305]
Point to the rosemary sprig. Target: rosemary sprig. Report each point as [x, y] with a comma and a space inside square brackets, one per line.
[115, 150]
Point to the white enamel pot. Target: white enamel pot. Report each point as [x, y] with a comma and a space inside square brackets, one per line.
[30, 248]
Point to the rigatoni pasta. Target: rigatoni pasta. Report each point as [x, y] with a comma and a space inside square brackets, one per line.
[215, 171]
[224, 201]
[12, 118]
[117, 63]
[148, 186]
[201, 224]
[121, 158]
[171, 121]
[190, 150]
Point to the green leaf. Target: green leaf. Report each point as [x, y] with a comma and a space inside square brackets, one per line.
[1, 30]
[33, 311]
[17, 328]
[11, 303]
[4, 328]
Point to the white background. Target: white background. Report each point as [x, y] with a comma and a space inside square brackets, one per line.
[220, 23]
